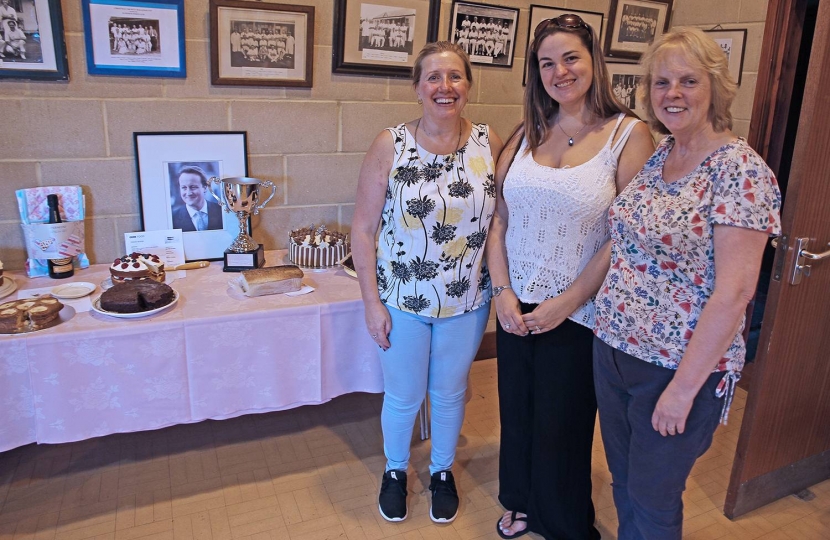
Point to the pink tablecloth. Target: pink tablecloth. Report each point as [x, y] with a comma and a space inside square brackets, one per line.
[213, 355]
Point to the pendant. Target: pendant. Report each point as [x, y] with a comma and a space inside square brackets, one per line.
[571, 141]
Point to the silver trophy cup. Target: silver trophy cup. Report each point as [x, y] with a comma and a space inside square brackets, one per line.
[241, 196]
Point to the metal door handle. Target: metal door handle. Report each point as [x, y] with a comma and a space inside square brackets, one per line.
[815, 256]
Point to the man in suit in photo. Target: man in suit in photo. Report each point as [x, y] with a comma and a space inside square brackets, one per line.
[198, 213]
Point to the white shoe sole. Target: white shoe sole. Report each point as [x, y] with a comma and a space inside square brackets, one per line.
[387, 518]
[442, 520]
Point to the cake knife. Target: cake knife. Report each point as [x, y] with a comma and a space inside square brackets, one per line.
[191, 265]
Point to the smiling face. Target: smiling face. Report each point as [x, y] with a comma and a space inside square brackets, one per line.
[443, 85]
[681, 95]
[192, 190]
[566, 68]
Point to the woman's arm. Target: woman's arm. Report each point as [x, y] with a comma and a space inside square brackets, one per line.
[738, 253]
[553, 311]
[507, 304]
[371, 196]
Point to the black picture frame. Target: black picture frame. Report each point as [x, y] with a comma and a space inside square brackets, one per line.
[733, 42]
[160, 155]
[633, 25]
[499, 51]
[289, 57]
[42, 55]
[350, 57]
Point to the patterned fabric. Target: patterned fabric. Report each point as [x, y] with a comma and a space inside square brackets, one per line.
[663, 254]
[433, 227]
[558, 220]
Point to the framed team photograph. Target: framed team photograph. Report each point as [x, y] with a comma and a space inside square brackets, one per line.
[261, 44]
[486, 33]
[382, 37]
[625, 80]
[31, 41]
[634, 25]
[541, 13]
[733, 43]
[138, 38]
[175, 188]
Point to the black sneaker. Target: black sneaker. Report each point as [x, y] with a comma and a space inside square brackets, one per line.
[444, 506]
[392, 498]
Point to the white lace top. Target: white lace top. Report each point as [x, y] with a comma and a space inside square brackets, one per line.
[558, 220]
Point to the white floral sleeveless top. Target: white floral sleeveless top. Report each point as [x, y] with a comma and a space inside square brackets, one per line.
[433, 227]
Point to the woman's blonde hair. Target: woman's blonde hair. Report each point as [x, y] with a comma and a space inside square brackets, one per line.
[699, 49]
[437, 47]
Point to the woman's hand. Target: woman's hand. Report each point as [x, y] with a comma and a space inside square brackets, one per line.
[378, 323]
[509, 314]
[547, 315]
[671, 411]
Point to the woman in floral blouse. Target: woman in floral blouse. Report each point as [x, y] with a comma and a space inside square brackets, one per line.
[427, 184]
[687, 238]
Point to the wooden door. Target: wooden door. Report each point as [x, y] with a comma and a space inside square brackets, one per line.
[784, 445]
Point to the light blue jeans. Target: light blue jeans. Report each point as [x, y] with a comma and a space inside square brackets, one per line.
[427, 355]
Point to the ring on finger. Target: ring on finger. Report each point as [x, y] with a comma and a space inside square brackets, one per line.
[374, 336]
[538, 329]
[507, 326]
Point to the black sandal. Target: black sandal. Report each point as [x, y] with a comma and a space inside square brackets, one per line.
[513, 519]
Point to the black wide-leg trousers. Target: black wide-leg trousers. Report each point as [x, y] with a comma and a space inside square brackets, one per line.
[548, 409]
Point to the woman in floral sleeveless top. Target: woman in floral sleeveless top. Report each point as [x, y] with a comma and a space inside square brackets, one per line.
[687, 236]
[428, 186]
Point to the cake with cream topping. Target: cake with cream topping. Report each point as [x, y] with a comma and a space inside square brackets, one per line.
[317, 248]
[137, 266]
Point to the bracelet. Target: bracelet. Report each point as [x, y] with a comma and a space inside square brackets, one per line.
[498, 290]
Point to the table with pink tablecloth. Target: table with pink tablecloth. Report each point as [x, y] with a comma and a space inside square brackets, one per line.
[215, 354]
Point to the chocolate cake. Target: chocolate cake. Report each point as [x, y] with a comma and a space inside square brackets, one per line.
[136, 296]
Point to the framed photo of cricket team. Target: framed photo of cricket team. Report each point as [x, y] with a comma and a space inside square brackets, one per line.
[634, 25]
[31, 41]
[382, 37]
[486, 33]
[261, 44]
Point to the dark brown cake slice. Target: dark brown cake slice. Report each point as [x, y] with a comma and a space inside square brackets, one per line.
[136, 296]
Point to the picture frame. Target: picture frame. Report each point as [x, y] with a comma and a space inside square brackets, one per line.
[168, 166]
[362, 43]
[495, 43]
[39, 52]
[539, 13]
[733, 42]
[625, 79]
[634, 25]
[135, 38]
[261, 44]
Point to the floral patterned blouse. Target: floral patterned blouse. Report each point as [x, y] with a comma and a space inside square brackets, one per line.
[433, 227]
[663, 256]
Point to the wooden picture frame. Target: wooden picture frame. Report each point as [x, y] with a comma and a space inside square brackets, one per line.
[162, 158]
[540, 13]
[625, 79]
[135, 38]
[39, 53]
[733, 42]
[495, 43]
[363, 35]
[261, 44]
[634, 25]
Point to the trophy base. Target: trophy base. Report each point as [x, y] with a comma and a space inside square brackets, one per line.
[237, 262]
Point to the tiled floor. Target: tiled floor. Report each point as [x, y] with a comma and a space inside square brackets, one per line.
[312, 474]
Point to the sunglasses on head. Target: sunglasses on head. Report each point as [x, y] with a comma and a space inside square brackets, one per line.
[568, 20]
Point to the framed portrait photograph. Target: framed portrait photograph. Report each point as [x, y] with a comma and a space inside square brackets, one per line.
[31, 40]
[261, 44]
[733, 42]
[634, 25]
[137, 38]
[486, 33]
[540, 13]
[382, 37]
[625, 80]
[174, 169]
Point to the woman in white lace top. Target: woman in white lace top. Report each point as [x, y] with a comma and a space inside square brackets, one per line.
[548, 251]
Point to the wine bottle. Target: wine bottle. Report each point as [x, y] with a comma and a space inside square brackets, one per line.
[58, 268]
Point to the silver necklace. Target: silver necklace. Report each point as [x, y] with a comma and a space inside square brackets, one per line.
[457, 143]
[570, 138]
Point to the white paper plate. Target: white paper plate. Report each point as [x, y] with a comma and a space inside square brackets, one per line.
[77, 289]
[7, 286]
[96, 306]
[350, 271]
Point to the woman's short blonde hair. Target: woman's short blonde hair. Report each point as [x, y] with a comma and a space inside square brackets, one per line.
[700, 49]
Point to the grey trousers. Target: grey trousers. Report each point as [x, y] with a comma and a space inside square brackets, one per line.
[648, 471]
